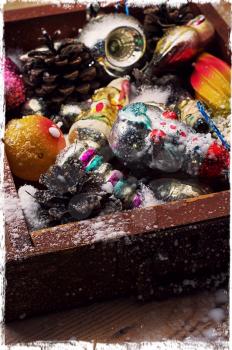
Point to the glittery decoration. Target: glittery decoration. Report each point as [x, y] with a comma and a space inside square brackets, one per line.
[115, 176]
[168, 145]
[87, 156]
[94, 163]
[171, 189]
[137, 201]
[32, 144]
[14, 85]
[102, 112]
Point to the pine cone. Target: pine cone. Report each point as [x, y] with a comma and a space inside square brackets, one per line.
[61, 71]
[71, 194]
[158, 19]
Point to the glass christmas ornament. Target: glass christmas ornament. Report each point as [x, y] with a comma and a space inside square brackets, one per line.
[150, 136]
[32, 144]
[95, 124]
[124, 47]
[119, 45]
[170, 189]
[13, 85]
[211, 82]
[181, 43]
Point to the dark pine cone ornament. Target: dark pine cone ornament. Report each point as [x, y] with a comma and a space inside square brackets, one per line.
[71, 194]
[159, 18]
[61, 71]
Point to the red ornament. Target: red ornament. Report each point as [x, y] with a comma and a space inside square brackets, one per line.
[170, 115]
[217, 159]
[215, 150]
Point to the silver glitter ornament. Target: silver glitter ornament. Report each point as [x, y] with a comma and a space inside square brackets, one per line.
[153, 137]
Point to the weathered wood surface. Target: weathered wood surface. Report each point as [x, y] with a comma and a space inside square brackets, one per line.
[125, 320]
[134, 222]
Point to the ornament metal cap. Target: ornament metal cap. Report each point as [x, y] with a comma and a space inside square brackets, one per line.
[124, 47]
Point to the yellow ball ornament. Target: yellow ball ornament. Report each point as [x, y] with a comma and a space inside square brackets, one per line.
[32, 144]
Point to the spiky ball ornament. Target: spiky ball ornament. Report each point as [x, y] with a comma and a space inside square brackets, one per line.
[14, 85]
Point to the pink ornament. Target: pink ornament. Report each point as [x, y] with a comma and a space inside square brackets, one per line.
[14, 85]
[10, 65]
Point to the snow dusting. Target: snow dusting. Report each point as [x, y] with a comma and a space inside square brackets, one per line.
[54, 132]
[108, 187]
[152, 94]
[148, 197]
[99, 230]
[217, 314]
[12, 208]
[30, 207]
[96, 31]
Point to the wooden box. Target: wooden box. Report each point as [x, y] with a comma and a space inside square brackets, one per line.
[152, 252]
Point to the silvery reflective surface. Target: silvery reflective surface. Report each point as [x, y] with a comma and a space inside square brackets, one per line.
[168, 189]
[117, 41]
[131, 142]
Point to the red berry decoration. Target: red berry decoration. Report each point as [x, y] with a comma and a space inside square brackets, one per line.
[170, 115]
[217, 159]
[14, 85]
[157, 135]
